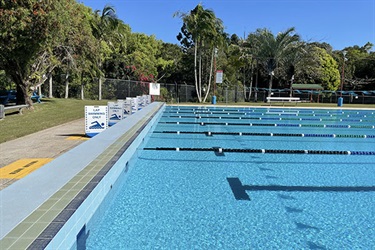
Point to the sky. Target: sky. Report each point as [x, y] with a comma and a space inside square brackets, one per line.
[340, 23]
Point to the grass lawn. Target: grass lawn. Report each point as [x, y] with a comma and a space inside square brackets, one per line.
[53, 112]
[49, 113]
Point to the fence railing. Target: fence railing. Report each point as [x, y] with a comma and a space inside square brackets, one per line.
[120, 89]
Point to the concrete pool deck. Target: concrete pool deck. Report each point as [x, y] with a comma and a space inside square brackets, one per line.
[30, 205]
[46, 144]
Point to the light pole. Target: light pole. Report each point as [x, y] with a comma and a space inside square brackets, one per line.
[213, 101]
[343, 71]
[215, 55]
[341, 100]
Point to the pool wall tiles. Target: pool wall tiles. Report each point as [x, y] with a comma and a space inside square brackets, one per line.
[66, 237]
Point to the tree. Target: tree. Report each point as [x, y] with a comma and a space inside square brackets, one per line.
[72, 49]
[169, 57]
[239, 65]
[296, 61]
[330, 75]
[203, 31]
[359, 66]
[27, 28]
[103, 24]
[274, 50]
[39, 36]
[118, 65]
[317, 66]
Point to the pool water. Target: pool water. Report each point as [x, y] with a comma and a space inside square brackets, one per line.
[231, 200]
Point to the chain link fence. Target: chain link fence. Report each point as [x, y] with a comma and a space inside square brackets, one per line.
[176, 93]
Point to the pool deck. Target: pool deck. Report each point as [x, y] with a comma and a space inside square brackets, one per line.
[46, 144]
[29, 205]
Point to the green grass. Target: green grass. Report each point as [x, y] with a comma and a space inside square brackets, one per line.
[49, 113]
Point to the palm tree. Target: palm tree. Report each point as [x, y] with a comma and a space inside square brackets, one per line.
[217, 38]
[103, 24]
[274, 50]
[298, 58]
[206, 32]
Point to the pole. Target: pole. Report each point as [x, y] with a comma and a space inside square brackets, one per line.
[341, 100]
[343, 72]
[215, 72]
[213, 101]
[256, 84]
[342, 76]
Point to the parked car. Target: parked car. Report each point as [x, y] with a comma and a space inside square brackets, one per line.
[8, 96]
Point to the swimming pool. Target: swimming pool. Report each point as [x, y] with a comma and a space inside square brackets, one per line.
[246, 178]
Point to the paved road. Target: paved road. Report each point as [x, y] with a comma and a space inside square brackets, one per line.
[49, 143]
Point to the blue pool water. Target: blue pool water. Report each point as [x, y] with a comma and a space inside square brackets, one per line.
[208, 200]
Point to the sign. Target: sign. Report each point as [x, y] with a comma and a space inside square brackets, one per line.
[127, 107]
[115, 112]
[140, 102]
[154, 88]
[219, 76]
[133, 104]
[96, 119]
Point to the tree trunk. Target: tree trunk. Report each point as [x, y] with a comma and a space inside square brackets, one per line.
[244, 88]
[195, 71]
[244, 83]
[100, 88]
[82, 88]
[67, 86]
[22, 90]
[50, 95]
[251, 80]
[82, 93]
[23, 95]
[291, 87]
[270, 85]
[26, 95]
[200, 77]
[209, 80]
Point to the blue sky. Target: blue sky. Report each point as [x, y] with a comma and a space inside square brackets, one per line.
[340, 23]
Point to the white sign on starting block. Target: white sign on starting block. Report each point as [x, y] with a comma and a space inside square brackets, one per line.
[115, 112]
[96, 119]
